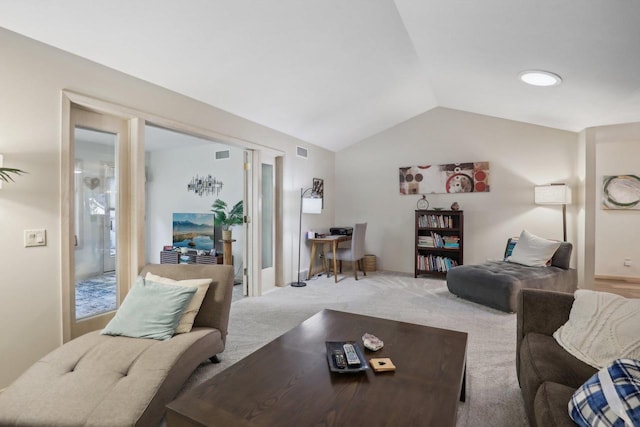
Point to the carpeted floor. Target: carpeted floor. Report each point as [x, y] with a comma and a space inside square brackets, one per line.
[493, 396]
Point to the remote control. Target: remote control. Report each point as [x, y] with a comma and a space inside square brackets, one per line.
[352, 356]
[341, 362]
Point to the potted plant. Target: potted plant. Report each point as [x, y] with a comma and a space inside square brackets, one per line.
[5, 174]
[225, 218]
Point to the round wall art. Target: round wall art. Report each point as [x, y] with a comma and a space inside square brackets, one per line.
[621, 192]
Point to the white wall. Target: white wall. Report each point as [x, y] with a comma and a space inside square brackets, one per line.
[32, 76]
[520, 156]
[169, 172]
[617, 232]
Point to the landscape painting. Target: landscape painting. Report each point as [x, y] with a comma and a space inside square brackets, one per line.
[193, 231]
[447, 178]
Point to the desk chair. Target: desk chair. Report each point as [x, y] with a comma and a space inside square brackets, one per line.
[355, 253]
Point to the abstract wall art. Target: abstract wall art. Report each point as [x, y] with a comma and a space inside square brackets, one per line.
[621, 192]
[447, 178]
[205, 185]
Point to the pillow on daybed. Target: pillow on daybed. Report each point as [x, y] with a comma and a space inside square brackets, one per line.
[610, 397]
[189, 316]
[150, 310]
[532, 250]
[602, 327]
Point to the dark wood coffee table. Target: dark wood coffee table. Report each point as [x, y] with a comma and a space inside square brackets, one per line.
[288, 383]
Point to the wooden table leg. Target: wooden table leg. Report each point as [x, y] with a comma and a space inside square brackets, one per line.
[335, 261]
[311, 261]
[463, 389]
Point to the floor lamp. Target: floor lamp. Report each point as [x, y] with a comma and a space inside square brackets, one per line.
[555, 194]
[308, 205]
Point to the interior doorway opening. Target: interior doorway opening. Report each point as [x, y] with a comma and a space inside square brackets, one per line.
[133, 222]
[184, 176]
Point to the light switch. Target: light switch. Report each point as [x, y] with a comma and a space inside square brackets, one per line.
[36, 237]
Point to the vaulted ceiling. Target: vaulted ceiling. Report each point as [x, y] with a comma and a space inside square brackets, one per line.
[335, 72]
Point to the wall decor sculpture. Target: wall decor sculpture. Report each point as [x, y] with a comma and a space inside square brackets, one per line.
[204, 185]
[447, 178]
[621, 192]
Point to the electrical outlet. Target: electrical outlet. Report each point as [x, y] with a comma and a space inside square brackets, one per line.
[36, 237]
[627, 262]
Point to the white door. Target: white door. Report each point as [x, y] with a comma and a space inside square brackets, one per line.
[249, 287]
[96, 259]
[267, 208]
[262, 180]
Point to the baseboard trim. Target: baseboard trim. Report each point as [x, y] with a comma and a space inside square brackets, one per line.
[618, 278]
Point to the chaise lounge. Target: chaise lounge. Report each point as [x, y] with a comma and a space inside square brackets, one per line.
[104, 380]
[496, 284]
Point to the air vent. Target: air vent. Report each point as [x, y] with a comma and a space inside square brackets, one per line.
[222, 155]
[302, 152]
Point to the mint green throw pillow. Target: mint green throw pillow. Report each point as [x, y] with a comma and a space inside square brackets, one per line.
[150, 310]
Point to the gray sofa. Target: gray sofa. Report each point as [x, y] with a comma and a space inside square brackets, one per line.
[497, 283]
[102, 380]
[548, 375]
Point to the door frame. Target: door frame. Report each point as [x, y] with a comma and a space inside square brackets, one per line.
[137, 121]
[112, 124]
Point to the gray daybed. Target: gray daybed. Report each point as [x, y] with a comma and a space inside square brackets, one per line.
[497, 283]
[102, 380]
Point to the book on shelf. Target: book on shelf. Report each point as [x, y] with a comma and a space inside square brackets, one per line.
[439, 241]
[435, 221]
[425, 242]
[451, 242]
[435, 263]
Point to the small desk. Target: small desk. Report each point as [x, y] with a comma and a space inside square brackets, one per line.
[334, 240]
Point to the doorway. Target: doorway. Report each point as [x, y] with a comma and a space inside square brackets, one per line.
[127, 241]
[95, 250]
[185, 175]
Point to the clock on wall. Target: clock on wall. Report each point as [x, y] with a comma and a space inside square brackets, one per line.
[423, 203]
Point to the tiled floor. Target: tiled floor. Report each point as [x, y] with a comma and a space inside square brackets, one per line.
[95, 295]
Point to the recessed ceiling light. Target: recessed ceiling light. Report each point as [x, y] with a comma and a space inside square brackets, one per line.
[540, 78]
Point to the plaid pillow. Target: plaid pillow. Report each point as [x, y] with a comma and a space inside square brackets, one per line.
[610, 398]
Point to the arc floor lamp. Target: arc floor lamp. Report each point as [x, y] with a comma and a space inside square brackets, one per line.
[308, 205]
[555, 194]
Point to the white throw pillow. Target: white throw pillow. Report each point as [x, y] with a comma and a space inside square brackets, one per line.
[190, 312]
[533, 251]
[602, 327]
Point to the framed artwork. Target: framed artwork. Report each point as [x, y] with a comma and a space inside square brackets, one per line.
[317, 189]
[620, 192]
[447, 178]
[193, 231]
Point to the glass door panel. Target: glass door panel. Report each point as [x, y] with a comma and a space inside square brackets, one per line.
[267, 216]
[267, 221]
[95, 189]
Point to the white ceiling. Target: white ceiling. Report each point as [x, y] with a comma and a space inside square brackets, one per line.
[334, 72]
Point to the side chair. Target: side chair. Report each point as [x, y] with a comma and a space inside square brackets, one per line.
[354, 253]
